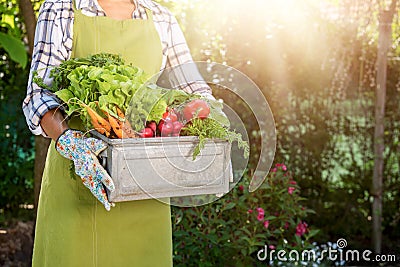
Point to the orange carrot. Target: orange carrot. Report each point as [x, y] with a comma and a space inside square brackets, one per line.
[116, 125]
[128, 132]
[99, 123]
[120, 113]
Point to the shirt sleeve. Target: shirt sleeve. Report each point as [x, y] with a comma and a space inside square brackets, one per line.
[182, 69]
[50, 49]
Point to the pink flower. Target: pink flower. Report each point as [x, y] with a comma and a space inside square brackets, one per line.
[260, 211]
[286, 225]
[274, 170]
[301, 228]
[266, 224]
[272, 247]
[291, 190]
[292, 182]
[281, 165]
[241, 188]
[250, 211]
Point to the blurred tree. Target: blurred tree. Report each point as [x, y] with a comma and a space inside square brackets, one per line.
[384, 44]
[27, 11]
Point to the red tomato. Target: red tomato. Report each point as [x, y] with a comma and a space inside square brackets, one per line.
[197, 106]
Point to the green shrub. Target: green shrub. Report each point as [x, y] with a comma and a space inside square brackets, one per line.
[16, 150]
[231, 231]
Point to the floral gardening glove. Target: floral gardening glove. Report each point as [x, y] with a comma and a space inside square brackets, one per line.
[83, 152]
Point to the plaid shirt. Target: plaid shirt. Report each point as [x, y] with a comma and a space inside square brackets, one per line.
[53, 44]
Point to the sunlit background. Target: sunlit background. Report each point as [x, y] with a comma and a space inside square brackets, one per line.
[315, 61]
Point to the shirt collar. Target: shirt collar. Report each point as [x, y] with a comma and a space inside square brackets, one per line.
[82, 4]
[90, 4]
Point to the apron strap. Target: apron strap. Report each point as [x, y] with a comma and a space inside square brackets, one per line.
[149, 13]
[73, 6]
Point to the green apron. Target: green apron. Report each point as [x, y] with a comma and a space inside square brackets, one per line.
[73, 228]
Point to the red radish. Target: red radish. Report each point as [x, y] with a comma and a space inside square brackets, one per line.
[160, 125]
[165, 114]
[177, 127]
[173, 116]
[170, 116]
[166, 129]
[146, 133]
[152, 125]
[197, 106]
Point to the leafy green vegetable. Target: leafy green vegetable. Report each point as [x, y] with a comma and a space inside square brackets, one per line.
[103, 82]
[150, 102]
[209, 128]
[60, 73]
[99, 81]
[216, 113]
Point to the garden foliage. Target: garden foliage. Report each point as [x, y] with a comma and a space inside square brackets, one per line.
[231, 231]
[17, 148]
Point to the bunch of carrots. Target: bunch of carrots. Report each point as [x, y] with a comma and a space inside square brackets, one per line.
[110, 126]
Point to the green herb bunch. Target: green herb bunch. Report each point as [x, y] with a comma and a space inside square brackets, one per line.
[210, 128]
